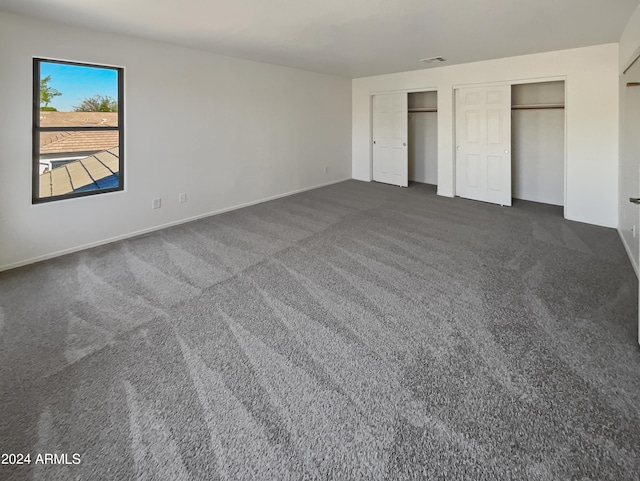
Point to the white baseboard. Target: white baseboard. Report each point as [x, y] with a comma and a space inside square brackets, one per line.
[160, 227]
[628, 249]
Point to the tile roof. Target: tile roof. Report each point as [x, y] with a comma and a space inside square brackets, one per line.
[78, 119]
[80, 174]
[78, 141]
[61, 142]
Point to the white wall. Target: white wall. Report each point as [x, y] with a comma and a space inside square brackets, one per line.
[629, 183]
[538, 155]
[225, 131]
[537, 146]
[592, 119]
[423, 147]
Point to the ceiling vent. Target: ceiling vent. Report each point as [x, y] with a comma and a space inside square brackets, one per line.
[433, 60]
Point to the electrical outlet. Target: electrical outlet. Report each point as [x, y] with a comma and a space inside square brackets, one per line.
[156, 203]
[633, 230]
[182, 197]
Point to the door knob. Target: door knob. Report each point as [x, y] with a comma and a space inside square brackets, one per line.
[404, 144]
[458, 147]
[506, 151]
[634, 200]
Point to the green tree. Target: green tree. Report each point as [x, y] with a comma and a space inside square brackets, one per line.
[47, 93]
[97, 103]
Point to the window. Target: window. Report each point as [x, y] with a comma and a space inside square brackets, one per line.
[78, 129]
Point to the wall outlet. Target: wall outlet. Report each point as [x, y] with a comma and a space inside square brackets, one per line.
[633, 230]
[182, 197]
[156, 203]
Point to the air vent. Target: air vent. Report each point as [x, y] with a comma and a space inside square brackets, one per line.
[433, 60]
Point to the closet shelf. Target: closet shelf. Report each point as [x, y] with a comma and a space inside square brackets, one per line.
[537, 106]
[423, 109]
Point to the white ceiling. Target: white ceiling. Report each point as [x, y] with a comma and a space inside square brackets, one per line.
[351, 38]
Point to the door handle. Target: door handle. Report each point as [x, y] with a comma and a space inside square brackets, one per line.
[634, 200]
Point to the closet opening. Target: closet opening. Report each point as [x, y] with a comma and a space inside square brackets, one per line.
[538, 142]
[423, 138]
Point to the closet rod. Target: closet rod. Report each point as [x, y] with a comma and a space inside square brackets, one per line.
[423, 110]
[536, 107]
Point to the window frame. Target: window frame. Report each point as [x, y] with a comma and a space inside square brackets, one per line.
[37, 130]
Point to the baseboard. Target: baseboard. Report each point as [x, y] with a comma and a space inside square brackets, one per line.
[129, 235]
[626, 248]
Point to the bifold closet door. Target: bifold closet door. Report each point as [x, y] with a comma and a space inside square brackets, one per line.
[390, 132]
[483, 144]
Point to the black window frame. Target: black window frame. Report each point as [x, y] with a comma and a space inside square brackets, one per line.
[37, 129]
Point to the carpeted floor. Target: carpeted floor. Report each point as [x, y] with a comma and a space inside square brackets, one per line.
[353, 332]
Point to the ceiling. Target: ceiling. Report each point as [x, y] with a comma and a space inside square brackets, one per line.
[351, 38]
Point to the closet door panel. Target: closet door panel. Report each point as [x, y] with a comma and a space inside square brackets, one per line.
[483, 144]
[390, 134]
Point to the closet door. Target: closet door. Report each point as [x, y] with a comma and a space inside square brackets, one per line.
[390, 132]
[483, 144]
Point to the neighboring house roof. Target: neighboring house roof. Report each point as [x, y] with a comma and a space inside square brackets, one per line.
[78, 119]
[60, 142]
[97, 171]
[79, 141]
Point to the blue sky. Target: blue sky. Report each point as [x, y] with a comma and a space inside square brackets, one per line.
[76, 83]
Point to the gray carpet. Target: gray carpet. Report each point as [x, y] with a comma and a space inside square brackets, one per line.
[354, 332]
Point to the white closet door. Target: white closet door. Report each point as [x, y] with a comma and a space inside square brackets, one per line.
[631, 150]
[483, 144]
[390, 132]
